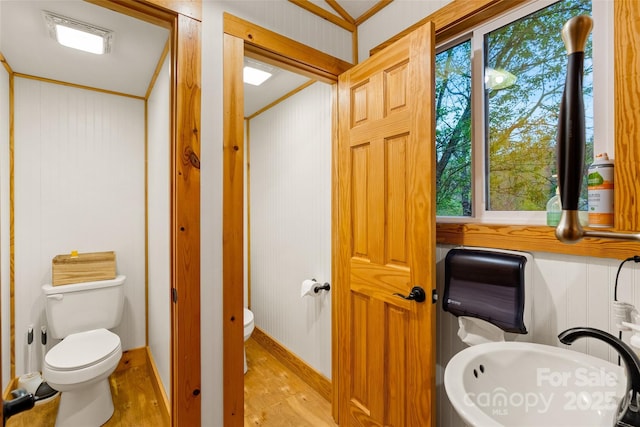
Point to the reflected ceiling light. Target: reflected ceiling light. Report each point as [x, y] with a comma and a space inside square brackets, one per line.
[498, 79]
[78, 35]
[254, 76]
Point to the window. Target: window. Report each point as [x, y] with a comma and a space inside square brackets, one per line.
[453, 130]
[497, 98]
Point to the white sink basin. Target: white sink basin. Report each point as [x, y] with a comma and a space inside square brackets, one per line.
[525, 384]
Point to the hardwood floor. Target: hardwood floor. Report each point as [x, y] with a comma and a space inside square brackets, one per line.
[134, 399]
[275, 396]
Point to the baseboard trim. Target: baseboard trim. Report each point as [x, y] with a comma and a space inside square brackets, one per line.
[315, 379]
[13, 384]
[158, 387]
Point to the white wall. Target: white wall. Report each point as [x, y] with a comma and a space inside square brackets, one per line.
[4, 228]
[79, 185]
[397, 16]
[567, 291]
[158, 217]
[290, 208]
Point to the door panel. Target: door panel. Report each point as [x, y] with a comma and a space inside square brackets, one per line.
[386, 226]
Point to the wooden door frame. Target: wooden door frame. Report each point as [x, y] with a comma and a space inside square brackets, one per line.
[240, 36]
[183, 19]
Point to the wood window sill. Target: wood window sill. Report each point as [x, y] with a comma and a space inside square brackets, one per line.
[530, 238]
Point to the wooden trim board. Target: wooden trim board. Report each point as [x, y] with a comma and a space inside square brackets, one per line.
[158, 388]
[315, 379]
[287, 53]
[530, 238]
[240, 38]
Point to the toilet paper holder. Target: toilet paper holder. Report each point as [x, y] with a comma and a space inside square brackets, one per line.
[317, 287]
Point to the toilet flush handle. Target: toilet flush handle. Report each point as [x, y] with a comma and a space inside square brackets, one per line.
[57, 297]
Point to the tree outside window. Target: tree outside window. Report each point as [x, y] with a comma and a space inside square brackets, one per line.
[524, 75]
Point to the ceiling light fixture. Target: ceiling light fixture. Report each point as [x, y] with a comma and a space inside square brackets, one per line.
[78, 35]
[254, 76]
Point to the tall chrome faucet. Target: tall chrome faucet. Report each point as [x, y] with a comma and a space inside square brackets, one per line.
[629, 412]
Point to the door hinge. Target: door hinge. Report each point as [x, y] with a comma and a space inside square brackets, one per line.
[434, 296]
[174, 295]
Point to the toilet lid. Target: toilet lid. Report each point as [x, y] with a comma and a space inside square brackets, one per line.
[83, 349]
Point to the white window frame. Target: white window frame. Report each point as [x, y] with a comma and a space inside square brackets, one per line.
[603, 101]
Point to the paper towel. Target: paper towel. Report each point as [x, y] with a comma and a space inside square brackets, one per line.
[474, 331]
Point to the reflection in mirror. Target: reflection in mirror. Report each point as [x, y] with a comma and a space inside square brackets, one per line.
[91, 172]
[288, 211]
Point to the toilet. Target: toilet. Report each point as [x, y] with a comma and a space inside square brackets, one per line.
[79, 366]
[248, 329]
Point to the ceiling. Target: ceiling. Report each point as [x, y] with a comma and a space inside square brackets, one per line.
[355, 8]
[136, 50]
[28, 49]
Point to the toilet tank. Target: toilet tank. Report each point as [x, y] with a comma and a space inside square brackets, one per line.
[83, 306]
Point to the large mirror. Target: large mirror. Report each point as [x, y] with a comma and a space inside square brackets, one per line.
[86, 168]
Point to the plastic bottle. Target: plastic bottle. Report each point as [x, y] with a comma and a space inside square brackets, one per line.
[554, 209]
[600, 191]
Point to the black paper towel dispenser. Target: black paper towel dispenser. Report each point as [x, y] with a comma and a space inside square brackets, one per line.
[488, 285]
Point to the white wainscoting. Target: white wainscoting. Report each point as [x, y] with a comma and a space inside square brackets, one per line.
[158, 193]
[79, 185]
[568, 291]
[290, 208]
[394, 18]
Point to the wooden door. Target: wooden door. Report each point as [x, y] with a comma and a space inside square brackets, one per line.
[386, 243]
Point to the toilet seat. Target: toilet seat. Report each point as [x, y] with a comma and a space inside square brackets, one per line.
[82, 349]
[82, 357]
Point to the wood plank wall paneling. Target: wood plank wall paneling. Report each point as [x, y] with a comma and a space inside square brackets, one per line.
[233, 231]
[530, 238]
[159, 219]
[12, 192]
[291, 223]
[190, 8]
[282, 49]
[185, 389]
[183, 18]
[91, 160]
[5, 258]
[627, 114]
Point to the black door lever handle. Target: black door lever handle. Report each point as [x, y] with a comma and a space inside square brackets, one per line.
[417, 294]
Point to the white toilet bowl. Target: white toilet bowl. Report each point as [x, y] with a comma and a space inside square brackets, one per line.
[81, 315]
[248, 329]
[79, 366]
